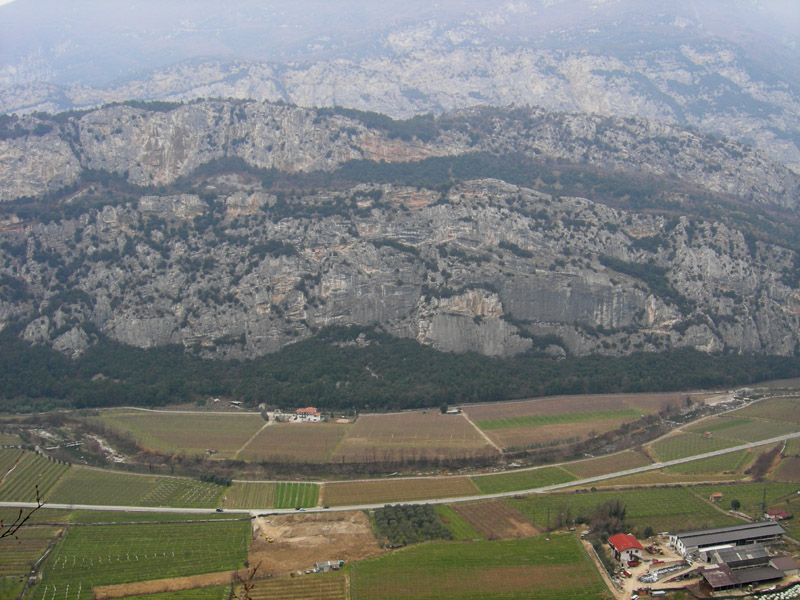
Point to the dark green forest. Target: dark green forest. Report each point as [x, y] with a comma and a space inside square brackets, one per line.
[334, 377]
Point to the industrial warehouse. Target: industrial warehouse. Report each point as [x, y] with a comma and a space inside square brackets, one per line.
[704, 541]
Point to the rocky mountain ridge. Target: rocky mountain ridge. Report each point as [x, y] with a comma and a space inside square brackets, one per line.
[148, 146]
[486, 267]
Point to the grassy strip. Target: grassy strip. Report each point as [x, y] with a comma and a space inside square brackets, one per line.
[458, 525]
[560, 419]
[522, 480]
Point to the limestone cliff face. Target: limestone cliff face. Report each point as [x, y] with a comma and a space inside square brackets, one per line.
[157, 147]
[486, 267]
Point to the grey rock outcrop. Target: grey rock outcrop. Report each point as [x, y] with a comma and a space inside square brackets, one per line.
[486, 267]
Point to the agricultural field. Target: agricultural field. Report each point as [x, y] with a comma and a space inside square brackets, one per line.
[18, 554]
[495, 520]
[328, 586]
[607, 464]
[786, 410]
[27, 472]
[187, 433]
[563, 419]
[751, 494]
[89, 486]
[664, 509]
[294, 442]
[741, 429]
[265, 494]
[113, 554]
[788, 470]
[206, 593]
[733, 463]
[522, 480]
[686, 444]
[411, 436]
[792, 447]
[9, 439]
[458, 525]
[381, 491]
[532, 568]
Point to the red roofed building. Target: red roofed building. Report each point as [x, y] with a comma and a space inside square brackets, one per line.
[776, 515]
[308, 415]
[625, 547]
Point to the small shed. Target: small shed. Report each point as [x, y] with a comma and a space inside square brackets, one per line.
[715, 497]
[625, 547]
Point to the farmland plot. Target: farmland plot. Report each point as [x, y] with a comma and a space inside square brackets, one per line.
[330, 586]
[19, 554]
[564, 419]
[410, 436]
[206, 593]
[789, 469]
[191, 433]
[458, 525]
[689, 444]
[89, 486]
[110, 554]
[786, 410]
[396, 490]
[294, 442]
[607, 464]
[522, 480]
[29, 472]
[496, 520]
[743, 430]
[662, 508]
[531, 568]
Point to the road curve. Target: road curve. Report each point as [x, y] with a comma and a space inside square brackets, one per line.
[540, 490]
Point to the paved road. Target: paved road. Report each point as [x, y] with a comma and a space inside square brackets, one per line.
[540, 490]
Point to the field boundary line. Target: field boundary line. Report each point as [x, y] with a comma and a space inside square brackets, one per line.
[12, 467]
[482, 433]
[252, 437]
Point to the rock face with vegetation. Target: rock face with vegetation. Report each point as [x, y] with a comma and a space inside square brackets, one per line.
[235, 229]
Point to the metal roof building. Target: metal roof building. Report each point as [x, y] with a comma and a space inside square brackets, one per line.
[688, 542]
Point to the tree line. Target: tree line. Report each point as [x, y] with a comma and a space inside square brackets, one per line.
[386, 374]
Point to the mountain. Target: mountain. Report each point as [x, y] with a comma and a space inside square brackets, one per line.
[236, 228]
[725, 68]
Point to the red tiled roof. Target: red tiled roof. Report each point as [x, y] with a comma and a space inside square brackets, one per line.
[310, 409]
[624, 541]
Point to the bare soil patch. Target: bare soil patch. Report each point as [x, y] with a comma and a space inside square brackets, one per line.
[788, 470]
[303, 539]
[411, 436]
[495, 520]
[546, 434]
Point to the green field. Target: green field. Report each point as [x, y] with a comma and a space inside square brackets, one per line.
[109, 554]
[627, 414]
[522, 480]
[89, 486]
[743, 430]
[330, 586]
[733, 463]
[689, 444]
[209, 593]
[751, 494]
[31, 471]
[18, 554]
[662, 508]
[532, 568]
[288, 495]
[459, 527]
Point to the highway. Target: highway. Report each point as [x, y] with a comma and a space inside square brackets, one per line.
[539, 490]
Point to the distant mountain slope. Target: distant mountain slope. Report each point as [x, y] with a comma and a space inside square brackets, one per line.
[236, 228]
[670, 62]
